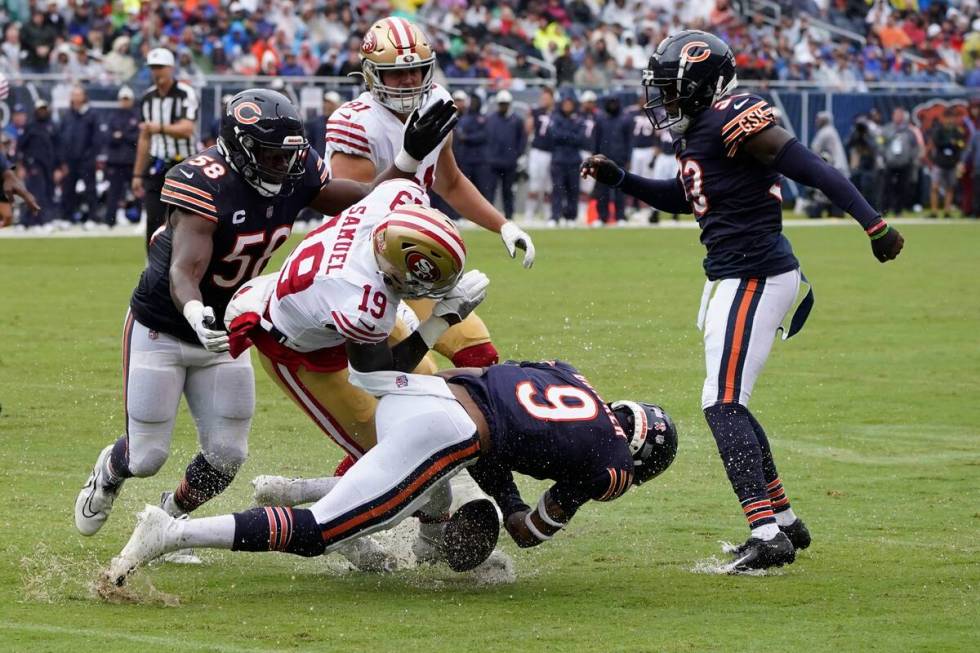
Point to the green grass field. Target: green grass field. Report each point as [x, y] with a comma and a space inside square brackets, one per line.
[872, 411]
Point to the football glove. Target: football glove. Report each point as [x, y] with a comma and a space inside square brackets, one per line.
[201, 318]
[886, 242]
[463, 298]
[605, 171]
[516, 238]
[424, 134]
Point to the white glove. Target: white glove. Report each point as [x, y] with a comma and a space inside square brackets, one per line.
[252, 297]
[514, 237]
[463, 298]
[201, 319]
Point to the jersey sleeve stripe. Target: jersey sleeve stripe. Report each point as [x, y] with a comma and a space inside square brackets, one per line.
[734, 121]
[348, 330]
[347, 134]
[189, 203]
[179, 186]
[354, 146]
[345, 123]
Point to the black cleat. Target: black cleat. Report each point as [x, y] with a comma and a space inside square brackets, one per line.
[471, 535]
[798, 534]
[763, 554]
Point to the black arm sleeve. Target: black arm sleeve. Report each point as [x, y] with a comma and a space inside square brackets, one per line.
[403, 357]
[498, 482]
[569, 497]
[663, 194]
[804, 166]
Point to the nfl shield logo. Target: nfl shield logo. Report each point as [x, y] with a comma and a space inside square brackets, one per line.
[268, 213]
[401, 381]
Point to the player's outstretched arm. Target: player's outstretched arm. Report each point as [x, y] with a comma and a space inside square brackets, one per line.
[532, 527]
[662, 194]
[422, 135]
[776, 148]
[192, 247]
[463, 196]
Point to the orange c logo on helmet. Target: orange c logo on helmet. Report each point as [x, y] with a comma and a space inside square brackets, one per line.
[248, 113]
[695, 58]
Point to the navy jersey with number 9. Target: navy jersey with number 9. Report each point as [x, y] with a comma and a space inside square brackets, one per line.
[546, 421]
[250, 227]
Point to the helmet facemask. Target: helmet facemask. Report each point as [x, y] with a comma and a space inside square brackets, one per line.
[402, 100]
[274, 165]
[652, 438]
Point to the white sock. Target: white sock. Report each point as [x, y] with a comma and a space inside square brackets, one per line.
[208, 532]
[786, 517]
[765, 532]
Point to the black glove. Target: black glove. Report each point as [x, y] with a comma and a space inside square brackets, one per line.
[605, 171]
[424, 133]
[887, 243]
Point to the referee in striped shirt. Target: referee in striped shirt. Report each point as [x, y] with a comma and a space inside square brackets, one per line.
[168, 113]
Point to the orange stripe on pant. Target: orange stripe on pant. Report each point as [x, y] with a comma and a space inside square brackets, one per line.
[404, 496]
[737, 352]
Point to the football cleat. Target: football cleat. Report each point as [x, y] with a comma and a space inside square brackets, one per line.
[471, 535]
[181, 556]
[367, 555]
[798, 534]
[274, 490]
[758, 554]
[94, 502]
[148, 541]
[428, 544]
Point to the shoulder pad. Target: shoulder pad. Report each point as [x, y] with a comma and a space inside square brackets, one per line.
[348, 127]
[744, 115]
[193, 185]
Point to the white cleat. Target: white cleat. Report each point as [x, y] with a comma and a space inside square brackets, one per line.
[148, 541]
[367, 555]
[181, 556]
[274, 490]
[429, 545]
[94, 502]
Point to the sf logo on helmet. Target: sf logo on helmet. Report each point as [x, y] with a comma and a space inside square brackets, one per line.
[248, 113]
[422, 268]
[370, 42]
[689, 57]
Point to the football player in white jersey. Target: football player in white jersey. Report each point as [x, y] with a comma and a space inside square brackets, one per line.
[334, 303]
[397, 64]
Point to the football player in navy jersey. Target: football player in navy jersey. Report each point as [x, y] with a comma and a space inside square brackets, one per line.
[540, 419]
[230, 207]
[731, 155]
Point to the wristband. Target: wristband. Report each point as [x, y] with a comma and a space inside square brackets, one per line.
[406, 162]
[545, 517]
[193, 311]
[432, 329]
[879, 230]
[534, 529]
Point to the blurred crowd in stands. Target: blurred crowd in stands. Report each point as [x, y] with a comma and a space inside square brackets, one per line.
[589, 43]
[82, 158]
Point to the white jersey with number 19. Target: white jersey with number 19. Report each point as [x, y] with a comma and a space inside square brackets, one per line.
[330, 289]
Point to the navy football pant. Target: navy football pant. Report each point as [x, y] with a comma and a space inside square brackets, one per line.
[564, 193]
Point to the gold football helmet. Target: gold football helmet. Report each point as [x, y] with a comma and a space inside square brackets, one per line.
[397, 44]
[419, 251]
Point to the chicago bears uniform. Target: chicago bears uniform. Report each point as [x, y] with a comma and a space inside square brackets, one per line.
[250, 229]
[542, 419]
[546, 421]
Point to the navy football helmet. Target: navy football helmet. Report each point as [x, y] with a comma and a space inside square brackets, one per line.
[689, 71]
[652, 437]
[263, 139]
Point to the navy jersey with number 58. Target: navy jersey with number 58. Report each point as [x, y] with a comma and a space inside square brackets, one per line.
[547, 421]
[250, 227]
[735, 199]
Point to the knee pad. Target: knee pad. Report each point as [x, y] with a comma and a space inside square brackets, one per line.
[236, 401]
[226, 454]
[148, 455]
[152, 394]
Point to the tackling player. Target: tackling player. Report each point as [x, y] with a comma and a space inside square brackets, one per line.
[231, 206]
[731, 155]
[540, 419]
